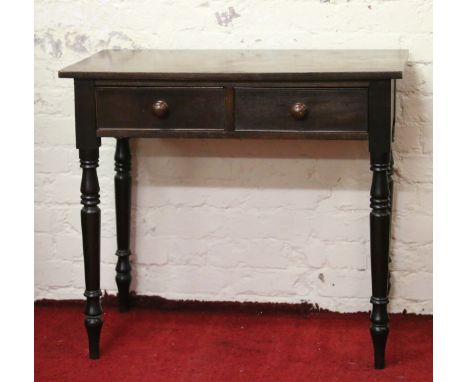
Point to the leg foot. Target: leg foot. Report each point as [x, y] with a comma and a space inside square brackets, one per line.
[93, 327]
[379, 332]
[379, 339]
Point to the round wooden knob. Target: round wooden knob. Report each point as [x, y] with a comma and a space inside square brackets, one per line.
[160, 109]
[298, 111]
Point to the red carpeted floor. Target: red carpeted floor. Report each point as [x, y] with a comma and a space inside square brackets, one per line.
[153, 344]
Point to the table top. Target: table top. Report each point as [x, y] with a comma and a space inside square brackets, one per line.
[239, 65]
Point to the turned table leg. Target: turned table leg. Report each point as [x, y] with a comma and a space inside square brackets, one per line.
[91, 227]
[123, 182]
[390, 187]
[380, 219]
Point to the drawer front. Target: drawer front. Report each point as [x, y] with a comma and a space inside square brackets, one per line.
[298, 109]
[185, 108]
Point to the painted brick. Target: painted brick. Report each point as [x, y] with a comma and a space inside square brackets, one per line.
[408, 137]
[343, 226]
[60, 273]
[348, 255]
[44, 247]
[413, 286]
[344, 283]
[426, 139]
[411, 198]
[418, 79]
[412, 257]
[413, 229]
[414, 107]
[415, 168]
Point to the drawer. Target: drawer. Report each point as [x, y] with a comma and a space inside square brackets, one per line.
[173, 108]
[299, 109]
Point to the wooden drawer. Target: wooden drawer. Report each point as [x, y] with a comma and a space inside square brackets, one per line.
[173, 108]
[332, 110]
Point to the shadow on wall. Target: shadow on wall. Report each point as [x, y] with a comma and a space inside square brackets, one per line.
[251, 163]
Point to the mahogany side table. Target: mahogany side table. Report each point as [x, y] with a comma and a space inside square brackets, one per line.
[294, 94]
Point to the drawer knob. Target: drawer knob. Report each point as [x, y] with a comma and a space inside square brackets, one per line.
[160, 109]
[298, 111]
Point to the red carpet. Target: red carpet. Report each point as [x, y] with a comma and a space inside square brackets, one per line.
[154, 344]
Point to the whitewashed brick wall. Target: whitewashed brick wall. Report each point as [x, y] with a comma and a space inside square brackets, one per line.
[238, 220]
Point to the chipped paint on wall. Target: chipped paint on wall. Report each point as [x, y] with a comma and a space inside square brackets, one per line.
[225, 18]
[49, 44]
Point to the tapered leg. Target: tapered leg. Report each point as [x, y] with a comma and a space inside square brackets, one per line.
[390, 187]
[91, 231]
[123, 182]
[380, 218]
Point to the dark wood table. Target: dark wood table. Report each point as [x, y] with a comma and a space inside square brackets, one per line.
[294, 94]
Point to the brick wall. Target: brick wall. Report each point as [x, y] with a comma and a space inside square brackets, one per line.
[237, 220]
